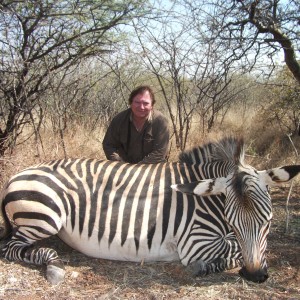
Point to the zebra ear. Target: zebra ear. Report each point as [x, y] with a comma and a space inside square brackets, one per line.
[202, 188]
[282, 174]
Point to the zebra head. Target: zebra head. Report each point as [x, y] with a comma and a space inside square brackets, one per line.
[247, 207]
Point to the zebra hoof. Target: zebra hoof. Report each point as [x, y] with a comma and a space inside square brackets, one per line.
[198, 268]
[55, 274]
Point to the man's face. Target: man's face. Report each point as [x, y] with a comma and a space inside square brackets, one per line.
[141, 105]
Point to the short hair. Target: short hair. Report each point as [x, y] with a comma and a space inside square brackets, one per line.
[141, 90]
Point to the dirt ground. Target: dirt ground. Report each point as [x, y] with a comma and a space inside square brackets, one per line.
[88, 278]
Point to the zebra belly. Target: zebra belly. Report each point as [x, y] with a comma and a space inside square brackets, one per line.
[90, 246]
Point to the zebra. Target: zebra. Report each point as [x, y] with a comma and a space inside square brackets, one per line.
[209, 210]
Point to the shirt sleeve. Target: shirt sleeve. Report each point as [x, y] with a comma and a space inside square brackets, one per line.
[160, 135]
[111, 143]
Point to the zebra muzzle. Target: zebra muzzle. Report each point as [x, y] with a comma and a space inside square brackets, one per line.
[258, 276]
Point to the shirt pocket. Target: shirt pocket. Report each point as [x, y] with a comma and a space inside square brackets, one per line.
[148, 143]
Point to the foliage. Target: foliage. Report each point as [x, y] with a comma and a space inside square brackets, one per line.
[189, 72]
[40, 38]
[284, 107]
[249, 32]
[76, 61]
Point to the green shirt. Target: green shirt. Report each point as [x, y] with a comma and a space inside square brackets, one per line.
[123, 142]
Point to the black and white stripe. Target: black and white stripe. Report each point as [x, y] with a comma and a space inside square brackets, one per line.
[130, 212]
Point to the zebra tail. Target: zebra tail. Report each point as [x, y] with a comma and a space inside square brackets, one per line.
[5, 225]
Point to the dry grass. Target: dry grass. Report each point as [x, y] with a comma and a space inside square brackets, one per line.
[88, 278]
[78, 143]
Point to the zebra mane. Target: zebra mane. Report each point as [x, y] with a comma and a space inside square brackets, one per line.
[227, 149]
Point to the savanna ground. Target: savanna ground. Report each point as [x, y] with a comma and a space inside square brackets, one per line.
[88, 278]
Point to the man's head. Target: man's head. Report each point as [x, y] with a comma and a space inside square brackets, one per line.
[141, 101]
[141, 90]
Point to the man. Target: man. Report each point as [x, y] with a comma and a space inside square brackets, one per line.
[139, 134]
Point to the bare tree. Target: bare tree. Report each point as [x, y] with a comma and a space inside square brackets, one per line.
[189, 70]
[166, 59]
[127, 74]
[39, 38]
[68, 98]
[283, 107]
[252, 31]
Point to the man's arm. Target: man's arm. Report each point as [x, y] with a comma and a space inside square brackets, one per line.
[161, 135]
[111, 145]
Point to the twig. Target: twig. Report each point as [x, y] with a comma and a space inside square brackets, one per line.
[287, 219]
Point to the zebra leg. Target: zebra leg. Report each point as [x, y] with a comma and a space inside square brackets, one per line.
[19, 248]
[201, 268]
[55, 268]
